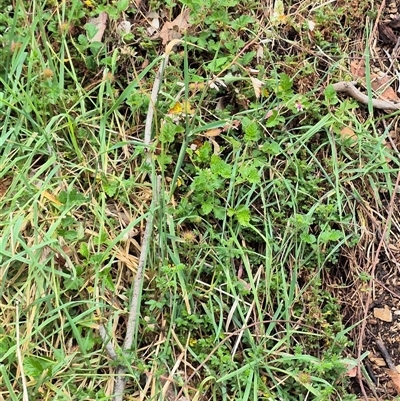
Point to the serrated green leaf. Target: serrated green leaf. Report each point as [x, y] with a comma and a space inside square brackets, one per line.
[274, 120]
[243, 216]
[329, 235]
[220, 167]
[34, 366]
[72, 197]
[168, 132]
[207, 207]
[250, 174]
[84, 250]
[251, 130]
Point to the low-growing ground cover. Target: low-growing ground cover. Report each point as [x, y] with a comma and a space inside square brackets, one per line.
[188, 207]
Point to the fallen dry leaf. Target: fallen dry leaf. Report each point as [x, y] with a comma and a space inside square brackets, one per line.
[352, 372]
[100, 23]
[378, 83]
[175, 29]
[381, 85]
[260, 53]
[5, 183]
[213, 132]
[384, 314]
[170, 46]
[154, 22]
[257, 85]
[124, 27]
[348, 134]
[395, 377]
[357, 68]
[216, 147]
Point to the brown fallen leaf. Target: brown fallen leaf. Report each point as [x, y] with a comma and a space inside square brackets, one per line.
[5, 183]
[395, 377]
[384, 314]
[352, 372]
[357, 68]
[175, 29]
[380, 85]
[212, 132]
[348, 134]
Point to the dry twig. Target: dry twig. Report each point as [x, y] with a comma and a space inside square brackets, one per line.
[350, 89]
[136, 295]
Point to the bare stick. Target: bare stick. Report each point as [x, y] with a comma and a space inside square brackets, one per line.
[350, 89]
[120, 380]
[107, 342]
[136, 295]
[153, 100]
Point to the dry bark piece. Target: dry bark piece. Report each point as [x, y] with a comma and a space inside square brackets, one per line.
[377, 361]
[386, 34]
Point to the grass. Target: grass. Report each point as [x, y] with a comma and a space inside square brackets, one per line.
[253, 203]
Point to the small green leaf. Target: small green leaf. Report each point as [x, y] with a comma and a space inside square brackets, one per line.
[218, 64]
[251, 129]
[250, 174]
[329, 235]
[204, 152]
[122, 5]
[330, 95]
[69, 235]
[285, 82]
[220, 167]
[84, 250]
[164, 160]
[72, 197]
[207, 208]
[111, 186]
[243, 216]
[168, 132]
[274, 120]
[34, 366]
[91, 30]
[272, 148]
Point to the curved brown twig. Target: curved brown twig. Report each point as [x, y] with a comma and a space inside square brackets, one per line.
[350, 89]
